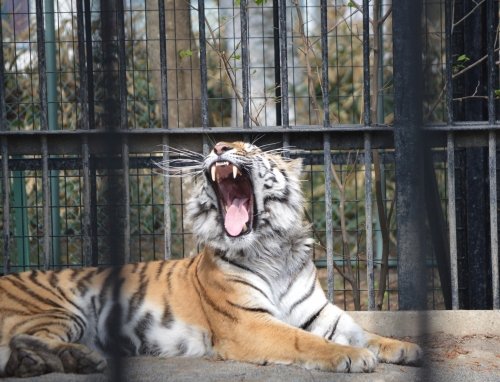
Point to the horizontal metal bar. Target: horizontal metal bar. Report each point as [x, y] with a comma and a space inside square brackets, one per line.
[306, 137]
[150, 162]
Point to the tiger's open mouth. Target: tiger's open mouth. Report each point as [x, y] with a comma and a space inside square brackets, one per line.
[235, 194]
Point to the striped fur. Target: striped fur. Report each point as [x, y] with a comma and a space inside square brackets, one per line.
[251, 297]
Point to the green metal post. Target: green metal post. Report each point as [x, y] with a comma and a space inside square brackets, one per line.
[21, 228]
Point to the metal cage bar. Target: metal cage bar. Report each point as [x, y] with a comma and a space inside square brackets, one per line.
[245, 63]
[370, 275]
[327, 157]
[492, 153]
[167, 218]
[42, 73]
[4, 152]
[450, 148]
[203, 64]
[408, 150]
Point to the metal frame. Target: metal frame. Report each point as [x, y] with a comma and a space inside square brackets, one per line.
[87, 143]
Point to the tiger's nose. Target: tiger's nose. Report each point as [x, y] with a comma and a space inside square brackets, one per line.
[220, 148]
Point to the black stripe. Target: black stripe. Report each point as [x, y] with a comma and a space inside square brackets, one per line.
[63, 294]
[81, 284]
[293, 279]
[160, 269]
[24, 288]
[204, 296]
[135, 266]
[334, 328]
[53, 279]
[308, 294]
[311, 319]
[249, 285]
[75, 272]
[111, 279]
[247, 309]
[186, 269]
[27, 304]
[167, 317]
[138, 297]
[169, 274]
[140, 331]
[34, 279]
[243, 267]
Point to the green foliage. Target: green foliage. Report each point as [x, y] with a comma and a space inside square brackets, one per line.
[185, 53]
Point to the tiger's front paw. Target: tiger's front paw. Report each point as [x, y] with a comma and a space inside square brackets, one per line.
[394, 351]
[357, 360]
[79, 359]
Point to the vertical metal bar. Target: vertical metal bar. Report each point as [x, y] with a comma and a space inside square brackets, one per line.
[163, 64]
[113, 193]
[284, 65]
[492, 153]
[84, 125]
[450, 149]
[50, 54]
[277, 60]
[490, 41]
[327, 152]
[89, 58]
[492, 146]
[368, 157]
[46, 204]
[126, 199]
[122, 64]
[203, 64]
[324, 64]
[329, 215]
[167, 222]
[6, 195]
[5, 165]
[284, 73]
[245, 63]
[370, 273]
[452, 219]
[86, 219]
[407, 48]
[42, 73]
[122, 84]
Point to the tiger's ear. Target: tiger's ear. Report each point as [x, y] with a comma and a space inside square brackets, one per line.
[295, 167]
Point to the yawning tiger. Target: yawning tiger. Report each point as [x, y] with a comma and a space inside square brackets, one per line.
[251, 295]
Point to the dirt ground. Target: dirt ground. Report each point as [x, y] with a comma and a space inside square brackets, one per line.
[448, 358]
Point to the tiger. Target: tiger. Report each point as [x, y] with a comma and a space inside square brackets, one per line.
[252, 293]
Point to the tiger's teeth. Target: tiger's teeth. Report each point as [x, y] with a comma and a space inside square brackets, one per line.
[235, 172]
[245, 227]
[213, 173]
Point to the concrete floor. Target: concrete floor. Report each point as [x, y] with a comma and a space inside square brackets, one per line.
[462, 346]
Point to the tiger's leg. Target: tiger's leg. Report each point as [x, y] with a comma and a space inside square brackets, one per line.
[264, 339]
[394, 351]
[337, 326]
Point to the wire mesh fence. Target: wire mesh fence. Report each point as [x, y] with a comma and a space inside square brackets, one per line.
[187, 73]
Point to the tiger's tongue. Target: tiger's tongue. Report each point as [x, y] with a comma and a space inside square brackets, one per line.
[236, 217]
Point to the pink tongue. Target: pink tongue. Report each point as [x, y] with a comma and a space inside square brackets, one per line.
[236, 217]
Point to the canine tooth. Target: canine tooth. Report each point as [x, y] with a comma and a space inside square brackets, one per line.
[235, 172]
[245, 227]
[213, 173]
